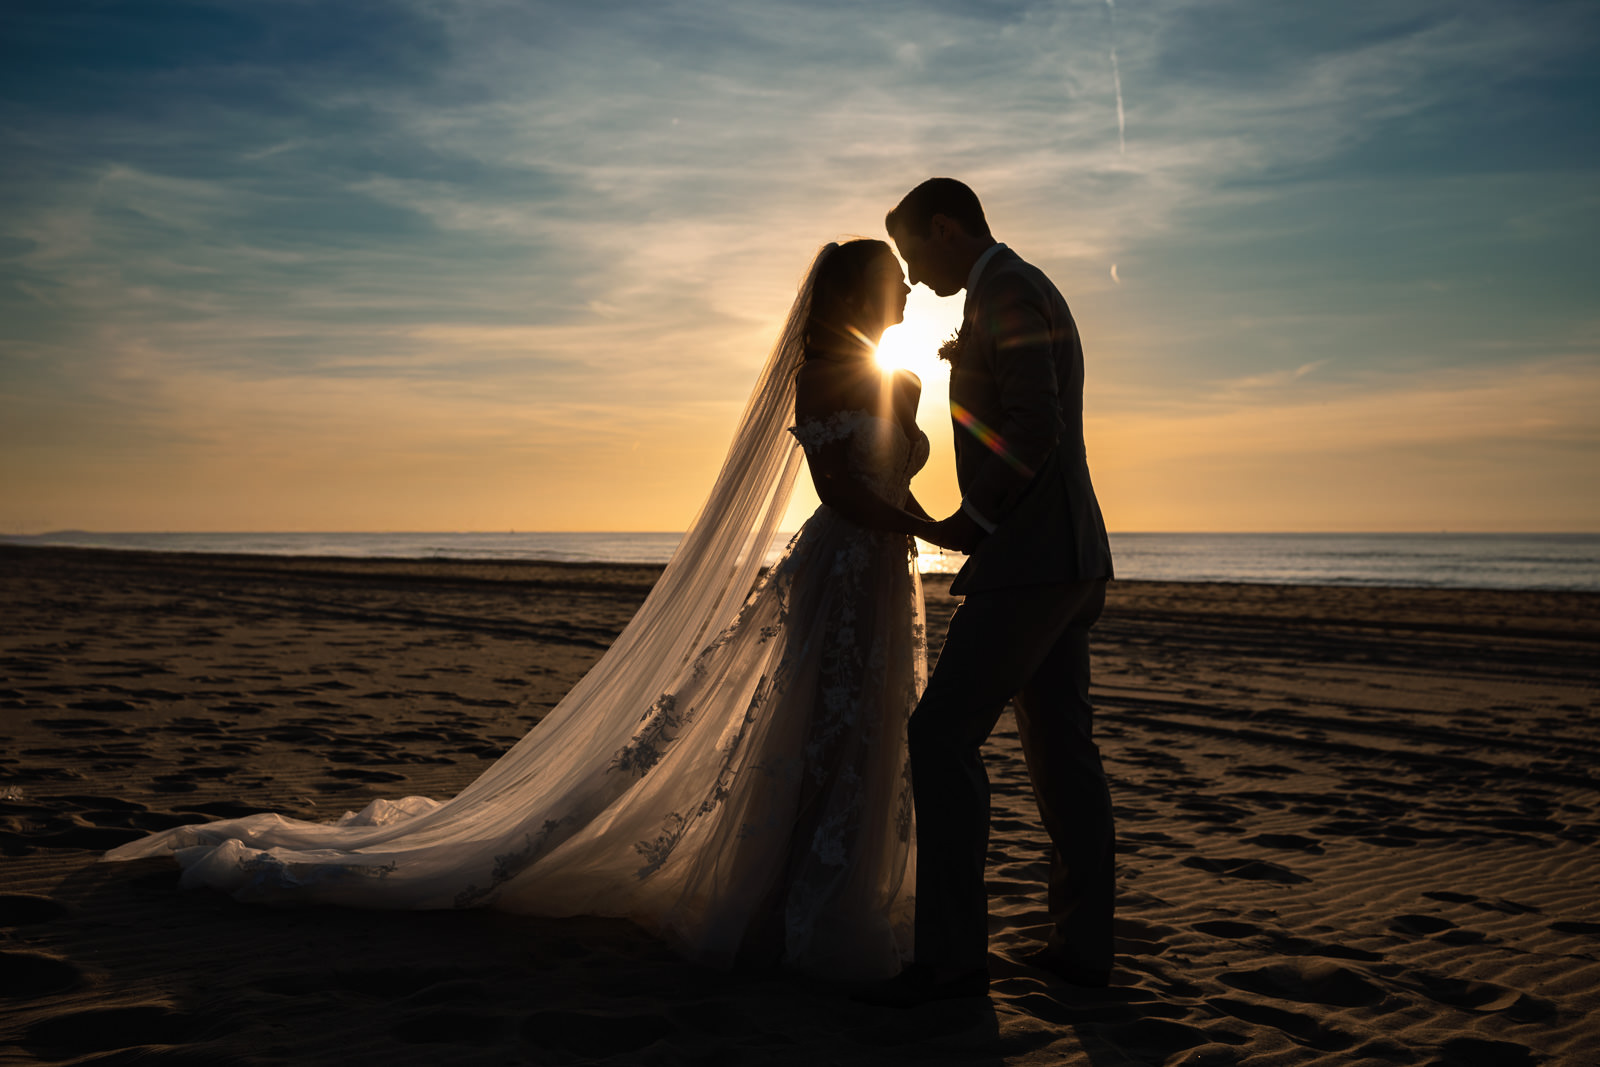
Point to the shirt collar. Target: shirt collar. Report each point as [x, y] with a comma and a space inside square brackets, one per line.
[976, 272]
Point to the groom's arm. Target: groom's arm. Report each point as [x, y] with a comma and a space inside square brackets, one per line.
[958, 533]
[1021, 354]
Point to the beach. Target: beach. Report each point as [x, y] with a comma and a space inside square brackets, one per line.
[1355, 824]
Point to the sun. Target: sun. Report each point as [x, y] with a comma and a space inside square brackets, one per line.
[914, 343]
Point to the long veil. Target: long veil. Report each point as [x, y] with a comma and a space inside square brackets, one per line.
[556, 792]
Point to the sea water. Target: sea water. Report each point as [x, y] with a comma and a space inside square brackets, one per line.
[1443, 560]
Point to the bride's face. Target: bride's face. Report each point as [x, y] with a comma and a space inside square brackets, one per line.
[883, 296]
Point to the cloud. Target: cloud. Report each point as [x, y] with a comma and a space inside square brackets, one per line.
[1477, 448]
[474, 229]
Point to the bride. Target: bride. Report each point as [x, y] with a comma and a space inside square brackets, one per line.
[732, 773]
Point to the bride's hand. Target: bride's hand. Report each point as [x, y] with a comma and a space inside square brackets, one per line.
[958, 533]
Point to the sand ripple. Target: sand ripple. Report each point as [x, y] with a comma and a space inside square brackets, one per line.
[1355, 826]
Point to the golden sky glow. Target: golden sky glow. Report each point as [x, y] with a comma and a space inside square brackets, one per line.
[287, 268]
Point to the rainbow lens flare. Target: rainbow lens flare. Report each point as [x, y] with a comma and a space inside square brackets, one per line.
[988, 438]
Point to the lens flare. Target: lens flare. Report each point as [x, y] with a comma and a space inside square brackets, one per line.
[988, 438]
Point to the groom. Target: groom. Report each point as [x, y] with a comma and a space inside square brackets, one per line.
[1034, 584]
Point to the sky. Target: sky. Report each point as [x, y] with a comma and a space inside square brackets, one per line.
[459, 265]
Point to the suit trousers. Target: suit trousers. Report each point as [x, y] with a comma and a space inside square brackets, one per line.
[1030, 643]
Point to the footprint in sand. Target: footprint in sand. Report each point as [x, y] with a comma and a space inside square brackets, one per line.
[1307, 981]
[1477, 996]
[1235, 931]
[1302, 1027]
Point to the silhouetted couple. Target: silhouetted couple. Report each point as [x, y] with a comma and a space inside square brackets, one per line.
[739, 772]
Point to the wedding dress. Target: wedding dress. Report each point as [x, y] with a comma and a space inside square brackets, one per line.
[731, 775]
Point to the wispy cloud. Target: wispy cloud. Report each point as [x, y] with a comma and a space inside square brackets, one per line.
[464, 225]
[1400, 452]
[1116, 81]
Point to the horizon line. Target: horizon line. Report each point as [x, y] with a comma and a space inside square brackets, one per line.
[678, 533]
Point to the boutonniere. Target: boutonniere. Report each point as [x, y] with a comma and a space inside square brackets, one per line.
[950, 350]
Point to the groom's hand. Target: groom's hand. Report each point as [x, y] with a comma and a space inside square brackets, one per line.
[958, 533]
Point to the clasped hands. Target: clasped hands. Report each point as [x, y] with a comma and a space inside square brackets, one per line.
[958, 533]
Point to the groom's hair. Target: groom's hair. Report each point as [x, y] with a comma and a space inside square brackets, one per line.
[938, 196]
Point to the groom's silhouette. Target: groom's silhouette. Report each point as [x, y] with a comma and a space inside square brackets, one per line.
[1034, 584]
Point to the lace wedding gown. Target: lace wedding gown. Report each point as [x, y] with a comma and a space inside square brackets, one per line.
[739, 787]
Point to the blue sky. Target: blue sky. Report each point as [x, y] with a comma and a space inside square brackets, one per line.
[444, 265]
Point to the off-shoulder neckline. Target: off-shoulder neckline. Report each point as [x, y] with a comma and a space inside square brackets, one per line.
[841, 413]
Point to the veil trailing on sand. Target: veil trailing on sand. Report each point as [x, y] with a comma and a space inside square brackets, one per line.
[629, 796]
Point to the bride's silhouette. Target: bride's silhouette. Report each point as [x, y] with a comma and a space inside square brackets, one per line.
[732, 774]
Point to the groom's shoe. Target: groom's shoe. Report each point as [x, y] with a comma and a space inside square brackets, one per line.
[1068, 971]
[922, 984]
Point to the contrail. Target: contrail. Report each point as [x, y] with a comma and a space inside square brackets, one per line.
[1116, 81]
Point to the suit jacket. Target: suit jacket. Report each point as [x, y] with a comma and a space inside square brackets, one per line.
[1016, 399]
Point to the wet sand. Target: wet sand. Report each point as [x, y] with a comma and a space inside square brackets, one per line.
[1356, 826]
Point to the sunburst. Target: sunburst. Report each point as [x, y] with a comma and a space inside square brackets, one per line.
[914, 343]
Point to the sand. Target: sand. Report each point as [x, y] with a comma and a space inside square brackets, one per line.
[1356, 826]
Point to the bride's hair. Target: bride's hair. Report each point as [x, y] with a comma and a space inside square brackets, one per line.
[839, 278]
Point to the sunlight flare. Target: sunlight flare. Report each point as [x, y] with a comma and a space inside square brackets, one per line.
[912, 345]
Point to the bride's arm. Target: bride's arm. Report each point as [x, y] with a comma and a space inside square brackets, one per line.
[821, 390]
[844, 494]
[915, 507]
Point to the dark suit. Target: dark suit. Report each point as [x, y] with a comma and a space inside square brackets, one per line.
[1033, 587]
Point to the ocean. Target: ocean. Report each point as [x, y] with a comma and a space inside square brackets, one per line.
[1443, 560]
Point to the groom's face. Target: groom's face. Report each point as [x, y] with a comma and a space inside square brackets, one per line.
[931, 260]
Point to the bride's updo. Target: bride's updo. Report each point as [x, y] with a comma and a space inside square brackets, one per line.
[833, 327]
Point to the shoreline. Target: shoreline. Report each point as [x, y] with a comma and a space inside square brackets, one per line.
[497, 570]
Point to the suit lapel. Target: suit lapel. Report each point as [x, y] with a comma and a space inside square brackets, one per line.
[969, 373]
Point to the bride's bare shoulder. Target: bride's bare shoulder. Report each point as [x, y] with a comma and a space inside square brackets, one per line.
[907, 382]
[826, 386]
